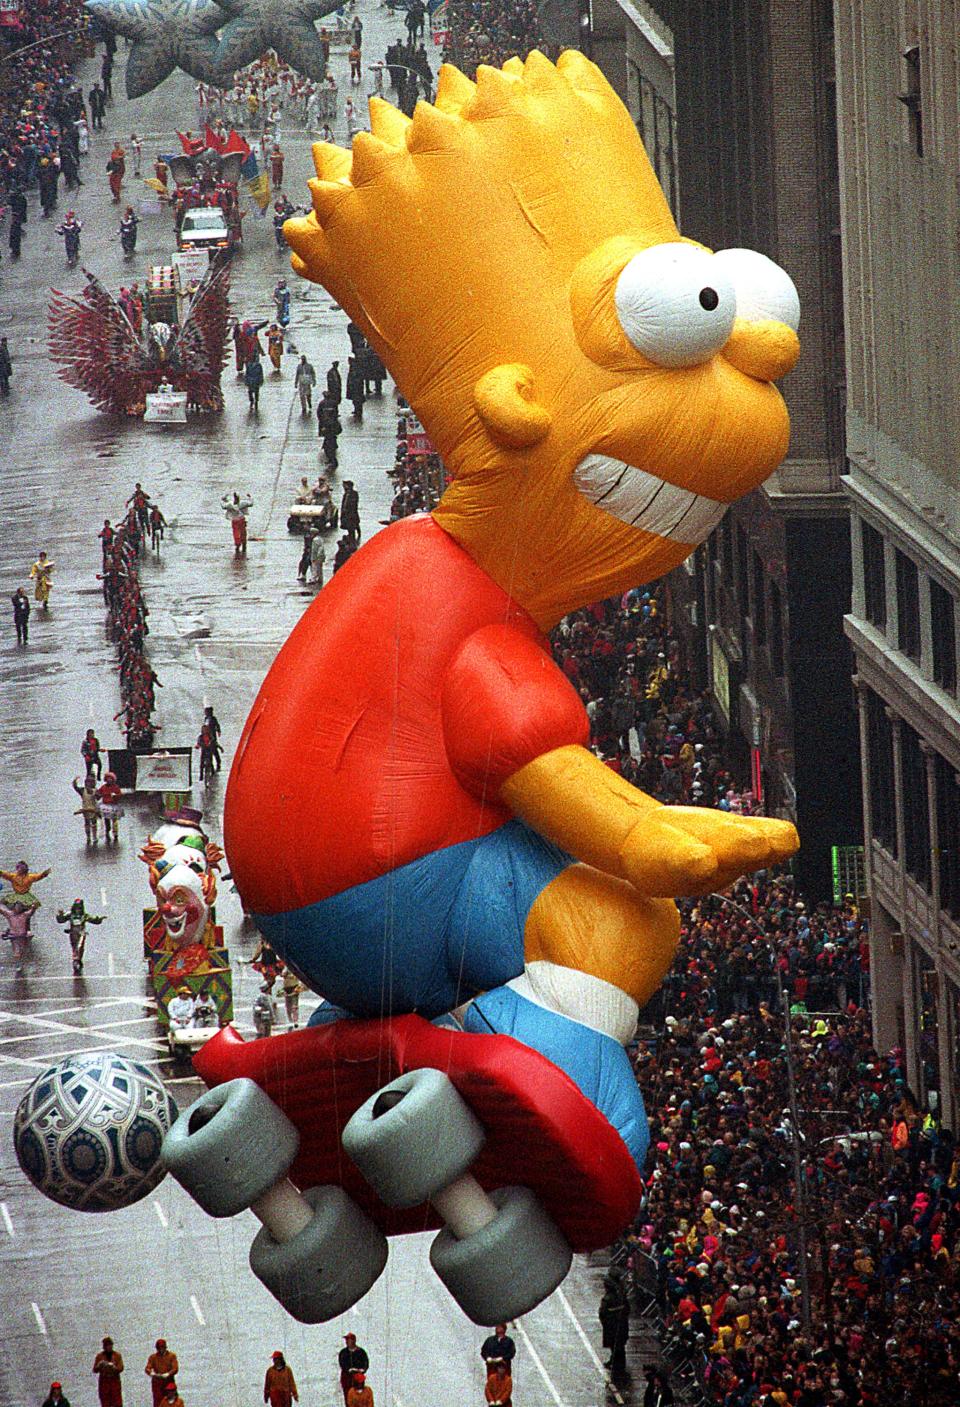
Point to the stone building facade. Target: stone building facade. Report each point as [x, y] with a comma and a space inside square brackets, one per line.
[897, 74]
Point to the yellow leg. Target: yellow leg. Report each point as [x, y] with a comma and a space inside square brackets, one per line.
[592, 922]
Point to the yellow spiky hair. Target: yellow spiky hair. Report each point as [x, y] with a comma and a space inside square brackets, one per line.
[486, 199]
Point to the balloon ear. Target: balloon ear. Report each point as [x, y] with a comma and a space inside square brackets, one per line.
[505, 402]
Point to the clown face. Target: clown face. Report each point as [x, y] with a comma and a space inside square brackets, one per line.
[181, 901]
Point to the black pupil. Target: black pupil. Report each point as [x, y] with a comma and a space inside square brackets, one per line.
[709, 298]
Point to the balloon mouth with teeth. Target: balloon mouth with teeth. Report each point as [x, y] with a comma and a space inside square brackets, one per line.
[183, 913]
[647, 502]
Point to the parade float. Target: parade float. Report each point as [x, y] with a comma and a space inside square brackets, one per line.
[483, 904]
[182, 941]
[177, 352]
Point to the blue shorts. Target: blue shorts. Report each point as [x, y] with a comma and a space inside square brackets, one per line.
[426, 936]
[595, 1062]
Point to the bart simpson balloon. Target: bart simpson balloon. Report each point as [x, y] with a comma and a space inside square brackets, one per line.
[414, 815]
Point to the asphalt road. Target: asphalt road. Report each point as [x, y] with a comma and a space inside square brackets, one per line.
[163, 1267]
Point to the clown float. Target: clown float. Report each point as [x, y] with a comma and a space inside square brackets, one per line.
[182, 942]
[484, 905]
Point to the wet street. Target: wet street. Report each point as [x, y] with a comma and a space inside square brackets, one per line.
[216, 622]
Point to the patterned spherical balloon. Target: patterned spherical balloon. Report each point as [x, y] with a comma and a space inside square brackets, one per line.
[88, 1131]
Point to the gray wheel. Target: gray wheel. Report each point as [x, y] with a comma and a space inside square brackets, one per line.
[230, 1147]
[327, 1266]
[413, 1138]
[509, 1266]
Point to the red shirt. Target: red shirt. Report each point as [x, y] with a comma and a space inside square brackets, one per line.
[404, 698]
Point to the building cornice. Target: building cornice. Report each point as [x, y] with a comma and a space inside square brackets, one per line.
[898, 681]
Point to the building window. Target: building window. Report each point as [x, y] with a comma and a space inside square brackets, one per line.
[743, 574]
[908, 606]
[759, 601]
[777, 663]
[726, 547]
[710, 577]
[883, 803]
[874, 578]
[948, 836]
[912, 96]
[944, 630]
[916, 815]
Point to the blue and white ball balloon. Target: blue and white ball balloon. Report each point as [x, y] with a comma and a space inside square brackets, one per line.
[88, 1131]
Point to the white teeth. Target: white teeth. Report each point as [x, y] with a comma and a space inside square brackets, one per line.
[645, 501]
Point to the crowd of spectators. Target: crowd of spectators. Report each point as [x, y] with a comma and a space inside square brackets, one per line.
[417, 475]
[880, 1200]
[39, 103]
[646, 721]
[880, 1178]
[491, 31]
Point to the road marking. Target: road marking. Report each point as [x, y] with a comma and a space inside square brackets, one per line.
[103, 896]
[103, 1027]
[83, 1004]
[161, 1214]
[568, 1310]
[48, 978]
[111, 966]
[4, 1212]
[197, 1311]
[41, 1324]
[538, 1364]
[63, 1029]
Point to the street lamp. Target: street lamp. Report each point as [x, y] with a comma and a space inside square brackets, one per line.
[749, 918]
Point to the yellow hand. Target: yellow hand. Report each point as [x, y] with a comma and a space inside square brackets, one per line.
[680, 850]
[665, 852]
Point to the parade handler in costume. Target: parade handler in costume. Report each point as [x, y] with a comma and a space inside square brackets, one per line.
[414, 815]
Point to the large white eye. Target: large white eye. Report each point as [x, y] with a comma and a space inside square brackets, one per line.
[675, 304]
[764, 291]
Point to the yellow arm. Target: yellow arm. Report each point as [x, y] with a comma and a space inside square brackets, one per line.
[573, 799]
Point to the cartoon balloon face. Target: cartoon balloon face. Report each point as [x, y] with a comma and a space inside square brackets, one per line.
[181, 901]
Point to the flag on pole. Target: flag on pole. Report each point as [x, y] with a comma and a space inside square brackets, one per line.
[235, 143]
[257, 181]
[192, 146]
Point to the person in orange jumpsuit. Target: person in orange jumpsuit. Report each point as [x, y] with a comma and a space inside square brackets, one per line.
[360, 1395]
[161, 1367]
[171, 1397]
[108, 1366]
[279, 1386]
[116, 169]
[499, 1388]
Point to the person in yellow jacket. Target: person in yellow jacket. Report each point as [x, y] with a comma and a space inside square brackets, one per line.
[279, 1387]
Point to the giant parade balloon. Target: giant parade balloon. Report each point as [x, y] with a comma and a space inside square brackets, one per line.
[442, 838]
[212, 41]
